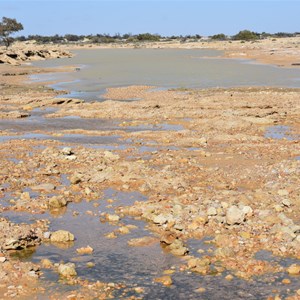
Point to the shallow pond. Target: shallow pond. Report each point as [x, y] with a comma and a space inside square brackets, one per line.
[164, 68]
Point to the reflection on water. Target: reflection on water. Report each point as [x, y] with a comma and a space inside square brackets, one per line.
[281, 132]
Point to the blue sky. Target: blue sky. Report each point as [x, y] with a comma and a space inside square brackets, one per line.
[166, 17]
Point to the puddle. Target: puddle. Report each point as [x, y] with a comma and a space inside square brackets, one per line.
[283, 261]
[279, 132]
[116, 262]
[85, 140]
[157, 127]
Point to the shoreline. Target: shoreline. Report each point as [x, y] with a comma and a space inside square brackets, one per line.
[215, 163]
[281, 52]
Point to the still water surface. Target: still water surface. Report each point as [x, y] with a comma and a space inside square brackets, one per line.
[165, 68]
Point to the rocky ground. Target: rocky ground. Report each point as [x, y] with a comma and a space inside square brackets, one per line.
[218, 163]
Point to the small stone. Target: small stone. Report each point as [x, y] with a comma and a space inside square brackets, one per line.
[43, 187]
[234, 215]
[294, 269]
[286, 281]
[165, 280]
[286, 202]
[25, 196]
[111, 156]
[32, 274]
[178, 248]
[247, 210]
[61, 236]
[124, 230]
[47, 235]
[224, 252]
[139, 290]
[46, 263]
[71, 157]
[57, 202]
[168, 272]
[2, 259]
[112, 218]
[245, 235]
[200, 290]
[75, 179]
[163, 219]
[143, 241]
[229, 277]
[278, 208]
[212, 211]
[85, 250]
[88, 191]
[67, 270]
[90, 264]
[67, 151]
[283, 192]
[110, 235]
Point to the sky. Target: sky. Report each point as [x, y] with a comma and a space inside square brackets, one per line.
[166, 17]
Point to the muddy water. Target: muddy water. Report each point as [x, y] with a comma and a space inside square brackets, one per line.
[166, 68]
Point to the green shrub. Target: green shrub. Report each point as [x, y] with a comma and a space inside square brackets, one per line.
[220, 37]
[246, 35]
[148, 37]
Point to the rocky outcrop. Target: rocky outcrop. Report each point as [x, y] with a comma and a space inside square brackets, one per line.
[19, 56]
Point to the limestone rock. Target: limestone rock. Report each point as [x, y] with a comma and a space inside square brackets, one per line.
[75, 179]
[44, 187]
[165, 280]
[67, 270]
[57, 202]
[112, 218]
[61, 236]
[294, 269]
[143, 241]
[111, 156]
[85, 250]
[67, 151]
[234, 215]
[211, 211]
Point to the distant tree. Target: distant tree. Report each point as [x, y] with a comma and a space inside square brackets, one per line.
[7, 27]
[148, 37]
[246, 35]
[220, 37]
[72, 37]
[284, 34]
